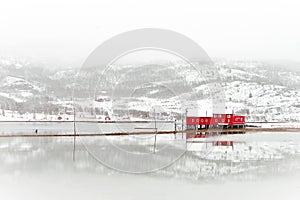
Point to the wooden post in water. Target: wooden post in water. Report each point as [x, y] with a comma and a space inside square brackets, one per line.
[74, 129]
[175, 128]
[154, 148]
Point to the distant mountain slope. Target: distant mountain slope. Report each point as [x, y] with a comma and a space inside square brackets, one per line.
[259, 90]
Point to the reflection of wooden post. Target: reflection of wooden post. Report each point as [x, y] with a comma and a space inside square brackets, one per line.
[154, 143]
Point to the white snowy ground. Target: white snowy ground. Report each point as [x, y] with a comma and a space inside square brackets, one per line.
[15, 116]
[276, 125]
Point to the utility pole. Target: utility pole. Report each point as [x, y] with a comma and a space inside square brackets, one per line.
[186, 112]
[182, 126]
[155, 120]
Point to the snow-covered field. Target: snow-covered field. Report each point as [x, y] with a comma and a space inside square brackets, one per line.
[16, 116]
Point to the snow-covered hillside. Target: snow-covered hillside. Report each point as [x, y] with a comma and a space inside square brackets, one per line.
[261, 91]
[266, 94]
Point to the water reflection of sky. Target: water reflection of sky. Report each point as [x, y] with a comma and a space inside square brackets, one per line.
[245, 156]
[48, 162]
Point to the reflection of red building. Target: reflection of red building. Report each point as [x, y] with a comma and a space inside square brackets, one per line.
[227, 120]
[223, 143]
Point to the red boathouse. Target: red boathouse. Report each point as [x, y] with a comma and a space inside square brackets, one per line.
[217, 120]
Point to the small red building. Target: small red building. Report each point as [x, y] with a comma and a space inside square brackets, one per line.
[217, 120]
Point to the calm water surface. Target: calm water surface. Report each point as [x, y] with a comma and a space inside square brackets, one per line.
[253, 165]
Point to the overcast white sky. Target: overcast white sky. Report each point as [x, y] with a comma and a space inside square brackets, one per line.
[70, 30]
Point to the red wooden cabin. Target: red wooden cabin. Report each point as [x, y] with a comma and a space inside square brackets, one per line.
[217, 120]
